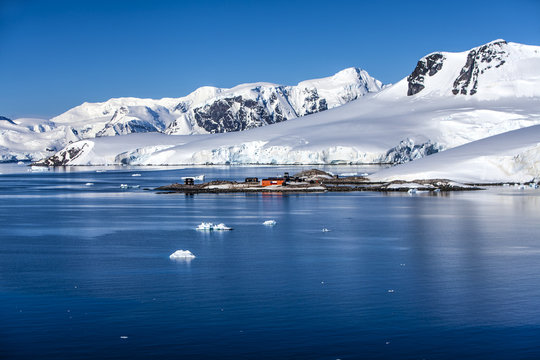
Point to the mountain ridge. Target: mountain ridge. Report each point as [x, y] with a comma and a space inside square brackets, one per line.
[212, 110]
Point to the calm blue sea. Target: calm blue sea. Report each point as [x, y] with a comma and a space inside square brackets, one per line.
[85, 270]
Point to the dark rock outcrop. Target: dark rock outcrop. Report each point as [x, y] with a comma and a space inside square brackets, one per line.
[428, 65]
[478, 61]
[63, 157]
[235, 114]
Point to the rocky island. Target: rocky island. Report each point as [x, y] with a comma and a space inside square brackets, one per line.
[315, 181]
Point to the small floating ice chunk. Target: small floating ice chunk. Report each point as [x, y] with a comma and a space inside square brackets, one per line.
[38, 168]
[416, 191]
[212, 226]
[123, 337]
[100, 171]
[391, 291]
[89, 184]
[269, 223]
[325, 230]
[135, 174]
[136, 186]
[182, 254]
[123, 186]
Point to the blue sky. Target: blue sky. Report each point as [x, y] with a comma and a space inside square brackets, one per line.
[57, 54]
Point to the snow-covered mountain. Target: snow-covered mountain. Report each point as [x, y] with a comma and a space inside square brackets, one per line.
[216, 110]
[34, 139]
[495, 70]
[206, 110]
[498, 91]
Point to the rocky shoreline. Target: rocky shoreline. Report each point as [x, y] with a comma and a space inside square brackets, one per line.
[312, 181]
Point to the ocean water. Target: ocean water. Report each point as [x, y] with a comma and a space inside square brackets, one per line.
[85, 270]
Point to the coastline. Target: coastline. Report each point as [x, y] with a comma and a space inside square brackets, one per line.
[315, 180]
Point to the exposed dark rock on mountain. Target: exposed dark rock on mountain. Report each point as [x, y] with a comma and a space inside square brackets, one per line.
[235, 114]
[428, 65]
[478, 61]
[63, 156]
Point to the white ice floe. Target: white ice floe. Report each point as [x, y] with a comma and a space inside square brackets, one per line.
[212, 226]
[416, 191]
[182, 254]
[89, 184]
[38, 168]
[135, 174]
[269, 223]
[325, 230]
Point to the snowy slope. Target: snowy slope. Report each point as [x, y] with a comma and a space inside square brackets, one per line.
[216, 110]
[513, 156]
[367, 131]
[31, 139]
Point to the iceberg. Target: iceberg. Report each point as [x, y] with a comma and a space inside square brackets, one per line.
[212, 226]
[38, 169]
[269, 223]
[413, 191]
[182, 254]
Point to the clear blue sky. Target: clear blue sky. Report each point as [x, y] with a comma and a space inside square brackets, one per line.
[57, 54]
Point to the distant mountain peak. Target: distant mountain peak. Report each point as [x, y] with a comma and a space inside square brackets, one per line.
[490, 71]
[479, 60]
